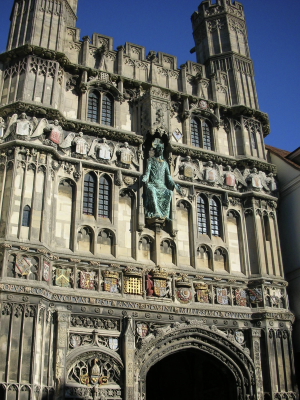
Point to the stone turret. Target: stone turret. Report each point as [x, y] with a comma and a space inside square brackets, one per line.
[41, 22]
[221, 44]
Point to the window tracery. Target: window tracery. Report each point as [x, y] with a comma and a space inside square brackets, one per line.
[104, 197]
[202, 212]
[100, 108]
[214, 218]
[201, 134]
[89, 194]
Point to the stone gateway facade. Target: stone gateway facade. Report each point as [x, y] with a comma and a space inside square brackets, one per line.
[140, 255]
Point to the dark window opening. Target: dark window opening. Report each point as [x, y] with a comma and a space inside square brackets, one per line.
[107, 108]
[26, 216]
[202, 222]
[89, 195]
[214, 218]
[104, 198]
[195, 133]
[93, 107]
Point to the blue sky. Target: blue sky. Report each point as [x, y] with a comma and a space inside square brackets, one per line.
[164, 25]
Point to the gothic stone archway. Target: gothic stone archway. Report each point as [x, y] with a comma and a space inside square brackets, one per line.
[221, 351]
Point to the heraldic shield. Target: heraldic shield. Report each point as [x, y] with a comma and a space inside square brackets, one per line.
[62, 277]
[87, 280]
[222, 295]
[142, 330]
[241, 297]
[111, 282]
[23, 265]
[46, 271]
[202, 292]
[160, 287]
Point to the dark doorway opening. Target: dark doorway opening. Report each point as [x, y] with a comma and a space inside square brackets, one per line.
[192, 375]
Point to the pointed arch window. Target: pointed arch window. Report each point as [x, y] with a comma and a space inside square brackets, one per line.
[26, 216]
[93, 107]
[214, 218]
[100, 108]
[202, 220]
[104, 205]
[201, 134]
[89, 194]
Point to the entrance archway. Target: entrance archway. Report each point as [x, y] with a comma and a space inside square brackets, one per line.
[189, 374]
[226, 366]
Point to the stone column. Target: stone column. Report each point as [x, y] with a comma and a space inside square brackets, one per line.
[63, 319]
[129, 348]
[256, 356]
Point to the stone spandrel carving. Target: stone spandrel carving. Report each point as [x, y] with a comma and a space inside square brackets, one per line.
[159, 186]
[102, 150]
[127, 157]
[271, 182]
[23, 126]
[2, 127]
[81, 145]
[256, 180]
[233, 178]
[188, 169]
[100, 370]
[55, 132]
[213, 174]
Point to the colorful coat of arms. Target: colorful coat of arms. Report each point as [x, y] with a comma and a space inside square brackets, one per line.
[184, 294]
[62, 277]
[23, 265]
[46, 271]
[222, 296]
[255, 295]
[111, 282]
[160, 287]
[241, 297]
[202, 292]
[87, 280]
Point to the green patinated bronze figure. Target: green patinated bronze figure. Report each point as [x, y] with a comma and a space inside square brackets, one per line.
[159, 186]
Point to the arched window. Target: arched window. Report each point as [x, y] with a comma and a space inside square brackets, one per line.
[104, 197]
[107, 110]
[93, 107]
[214, 218]
[26, 216]
[201, 134]
[89, 194]
[202, 221]
[267, 228]
[195, 132]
